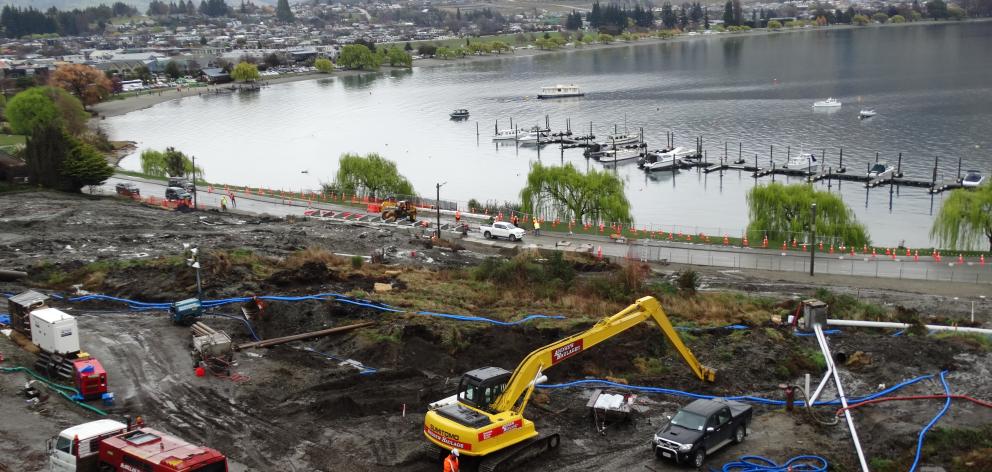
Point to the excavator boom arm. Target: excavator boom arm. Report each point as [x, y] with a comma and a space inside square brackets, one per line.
[548, 356]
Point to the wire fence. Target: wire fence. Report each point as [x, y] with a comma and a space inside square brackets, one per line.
[914, 267]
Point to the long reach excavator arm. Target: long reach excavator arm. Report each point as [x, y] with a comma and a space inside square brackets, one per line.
[488, 416]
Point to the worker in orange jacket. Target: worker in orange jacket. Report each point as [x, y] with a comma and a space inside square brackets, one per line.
[451, 462]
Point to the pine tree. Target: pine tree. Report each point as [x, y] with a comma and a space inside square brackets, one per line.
[283, 12]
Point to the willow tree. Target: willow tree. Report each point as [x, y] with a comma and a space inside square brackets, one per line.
[781, 211]
[371, 175]
[589, 197]
[245, 72]
[965, 220]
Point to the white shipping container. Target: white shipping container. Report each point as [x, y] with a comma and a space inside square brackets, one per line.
[54, 331]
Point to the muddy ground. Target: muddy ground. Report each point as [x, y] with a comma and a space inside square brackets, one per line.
[292, 409]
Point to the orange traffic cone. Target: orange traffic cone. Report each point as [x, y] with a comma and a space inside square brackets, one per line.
[981, 260]
[764, 242]
[784, 246]
[804, 247]
[599, 253]
[872, 253]
[907, 252]
[960, 258]
[831, 249]
[852, 251]
[726, 240]
[794, 242]
[745, 242]
[821, 245]
[916, 256]
[671, 236]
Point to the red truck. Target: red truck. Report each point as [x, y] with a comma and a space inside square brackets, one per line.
[110, 446]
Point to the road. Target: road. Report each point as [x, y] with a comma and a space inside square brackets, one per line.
[926, 268]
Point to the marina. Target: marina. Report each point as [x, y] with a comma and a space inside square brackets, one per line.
[313, 122]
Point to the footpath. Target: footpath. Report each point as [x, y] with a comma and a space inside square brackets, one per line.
[894, 266]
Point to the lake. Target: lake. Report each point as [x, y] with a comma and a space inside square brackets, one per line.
[929, 83]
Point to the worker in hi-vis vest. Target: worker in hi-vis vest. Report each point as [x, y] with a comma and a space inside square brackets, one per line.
[451, 462]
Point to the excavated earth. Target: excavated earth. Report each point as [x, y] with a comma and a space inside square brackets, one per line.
[298, 407]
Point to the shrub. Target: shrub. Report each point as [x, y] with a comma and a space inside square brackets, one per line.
[357, 261]
[688, 281]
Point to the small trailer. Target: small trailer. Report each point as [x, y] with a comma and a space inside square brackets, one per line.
[610, 408]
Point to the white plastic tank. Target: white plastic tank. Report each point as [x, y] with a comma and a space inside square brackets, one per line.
[54, 331]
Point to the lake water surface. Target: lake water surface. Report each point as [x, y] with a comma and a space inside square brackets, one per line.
[930, 85]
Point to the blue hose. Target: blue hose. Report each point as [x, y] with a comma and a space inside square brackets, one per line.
[164, 306]
[923, 432]
[762, 464]
[251, 330]
[826, 331]
[745, 398]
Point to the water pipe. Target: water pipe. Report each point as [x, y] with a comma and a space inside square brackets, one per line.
[892, 325]
[822, 340]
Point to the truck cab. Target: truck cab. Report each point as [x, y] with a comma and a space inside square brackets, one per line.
[78, 448]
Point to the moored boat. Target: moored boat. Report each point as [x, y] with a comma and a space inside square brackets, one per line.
[560, 91]
[828, 103]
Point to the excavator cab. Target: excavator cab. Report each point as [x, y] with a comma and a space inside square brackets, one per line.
[480, 388]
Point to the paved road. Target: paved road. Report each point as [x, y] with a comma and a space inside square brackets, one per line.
[902, 267]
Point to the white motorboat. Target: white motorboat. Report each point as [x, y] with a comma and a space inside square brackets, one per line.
[619, 139]
[620, 155]
[866, 113]
[459, 114]
[560, 91]
[665, 162]
[803, 161]
[508, 134]
[974, 178]
[828, 103]
[881, 171]
[533, 138]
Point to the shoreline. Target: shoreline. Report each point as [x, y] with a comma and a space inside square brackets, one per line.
[141, 102]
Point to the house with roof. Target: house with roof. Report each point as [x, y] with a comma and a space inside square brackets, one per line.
[214, 75]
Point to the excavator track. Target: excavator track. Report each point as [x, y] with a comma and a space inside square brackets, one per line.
[517, 454]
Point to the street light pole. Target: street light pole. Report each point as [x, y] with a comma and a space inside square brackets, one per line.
[195, 206]
[812, 242]
[437, 206]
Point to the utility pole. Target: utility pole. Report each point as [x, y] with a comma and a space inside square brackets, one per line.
[195, 206]
[437, 206]
[812, 243]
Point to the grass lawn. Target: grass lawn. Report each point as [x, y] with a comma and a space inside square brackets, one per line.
[7, 140]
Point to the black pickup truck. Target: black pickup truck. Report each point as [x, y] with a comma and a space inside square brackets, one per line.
[701, 428]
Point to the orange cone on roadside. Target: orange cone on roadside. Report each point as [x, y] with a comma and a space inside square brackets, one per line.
[784, 246]
[804, 247]
[599, 253]
[794, 243]
[981, 260]
[907, 252]
[960, 258]
[916, 256]
[872, 253]
[726, 240]
[852, 251]
[671, 237]
[744, 243]
[831, 249]
[764, 242]
[821, 245]
[864, 250]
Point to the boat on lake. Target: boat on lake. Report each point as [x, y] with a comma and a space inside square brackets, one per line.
[828, 103]
[974, 178]
[459, 114]
[617, 156]
[560, 91]
[802, 161]
[866, 113]
[508, 134]
[667, 160]
[620, 139]
[881, 171]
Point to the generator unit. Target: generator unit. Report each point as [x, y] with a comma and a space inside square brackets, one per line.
[186, 312]
[60, 359]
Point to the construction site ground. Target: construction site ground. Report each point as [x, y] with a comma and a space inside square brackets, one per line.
[287, 408]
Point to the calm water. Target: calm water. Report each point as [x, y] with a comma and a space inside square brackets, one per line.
[930, 85]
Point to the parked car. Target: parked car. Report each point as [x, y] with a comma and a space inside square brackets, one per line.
[177, 193]
[700, 428]
[128, 190]
[181, 182]
[502, 229]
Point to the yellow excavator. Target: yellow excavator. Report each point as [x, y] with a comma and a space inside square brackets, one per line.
[486, 420]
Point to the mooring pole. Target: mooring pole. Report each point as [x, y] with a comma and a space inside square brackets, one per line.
[771, 153]
[959, 168]
[840, 166]
[899, 166]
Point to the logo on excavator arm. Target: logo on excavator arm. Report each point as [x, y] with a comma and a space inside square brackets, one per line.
[445, 437]
[566, 351]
